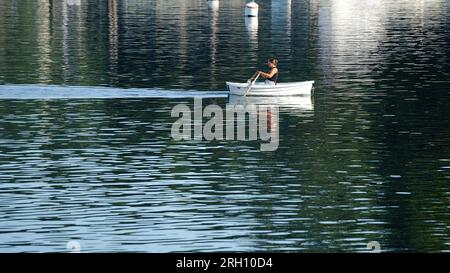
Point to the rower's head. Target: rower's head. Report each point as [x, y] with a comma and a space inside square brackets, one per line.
[272, 62]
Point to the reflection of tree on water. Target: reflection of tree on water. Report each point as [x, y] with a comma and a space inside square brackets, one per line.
[349, 33]
[281, 31]
[414, 123]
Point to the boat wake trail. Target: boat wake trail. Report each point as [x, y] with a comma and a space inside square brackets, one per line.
[78, 92]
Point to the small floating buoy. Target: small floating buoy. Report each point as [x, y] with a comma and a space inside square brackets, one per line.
[251, 9]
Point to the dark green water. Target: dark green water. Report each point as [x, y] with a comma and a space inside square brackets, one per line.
[368, 161]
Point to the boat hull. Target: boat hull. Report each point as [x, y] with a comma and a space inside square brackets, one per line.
[280, 89]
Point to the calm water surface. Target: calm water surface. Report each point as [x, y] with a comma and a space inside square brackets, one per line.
[367, 160]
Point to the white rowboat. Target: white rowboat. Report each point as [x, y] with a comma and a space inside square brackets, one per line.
[280, 89]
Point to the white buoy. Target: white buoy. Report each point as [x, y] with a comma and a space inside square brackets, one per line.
[251, 9]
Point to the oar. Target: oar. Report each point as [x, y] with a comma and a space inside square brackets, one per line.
[251, 78]
[252, 83]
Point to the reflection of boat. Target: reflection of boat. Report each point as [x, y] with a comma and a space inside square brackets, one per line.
[297, 102]
[280, 89]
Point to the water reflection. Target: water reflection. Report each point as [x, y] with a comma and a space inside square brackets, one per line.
[368, 160]
[251, 23]
[113, 40]
[73, 27]
[214, 16]
[214, 5]
[281, 22]
[294, 105]
[43, 23]
[73, 2]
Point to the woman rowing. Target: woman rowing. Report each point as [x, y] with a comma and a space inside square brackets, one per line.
[271, 76]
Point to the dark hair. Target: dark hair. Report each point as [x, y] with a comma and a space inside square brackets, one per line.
[273, 61]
